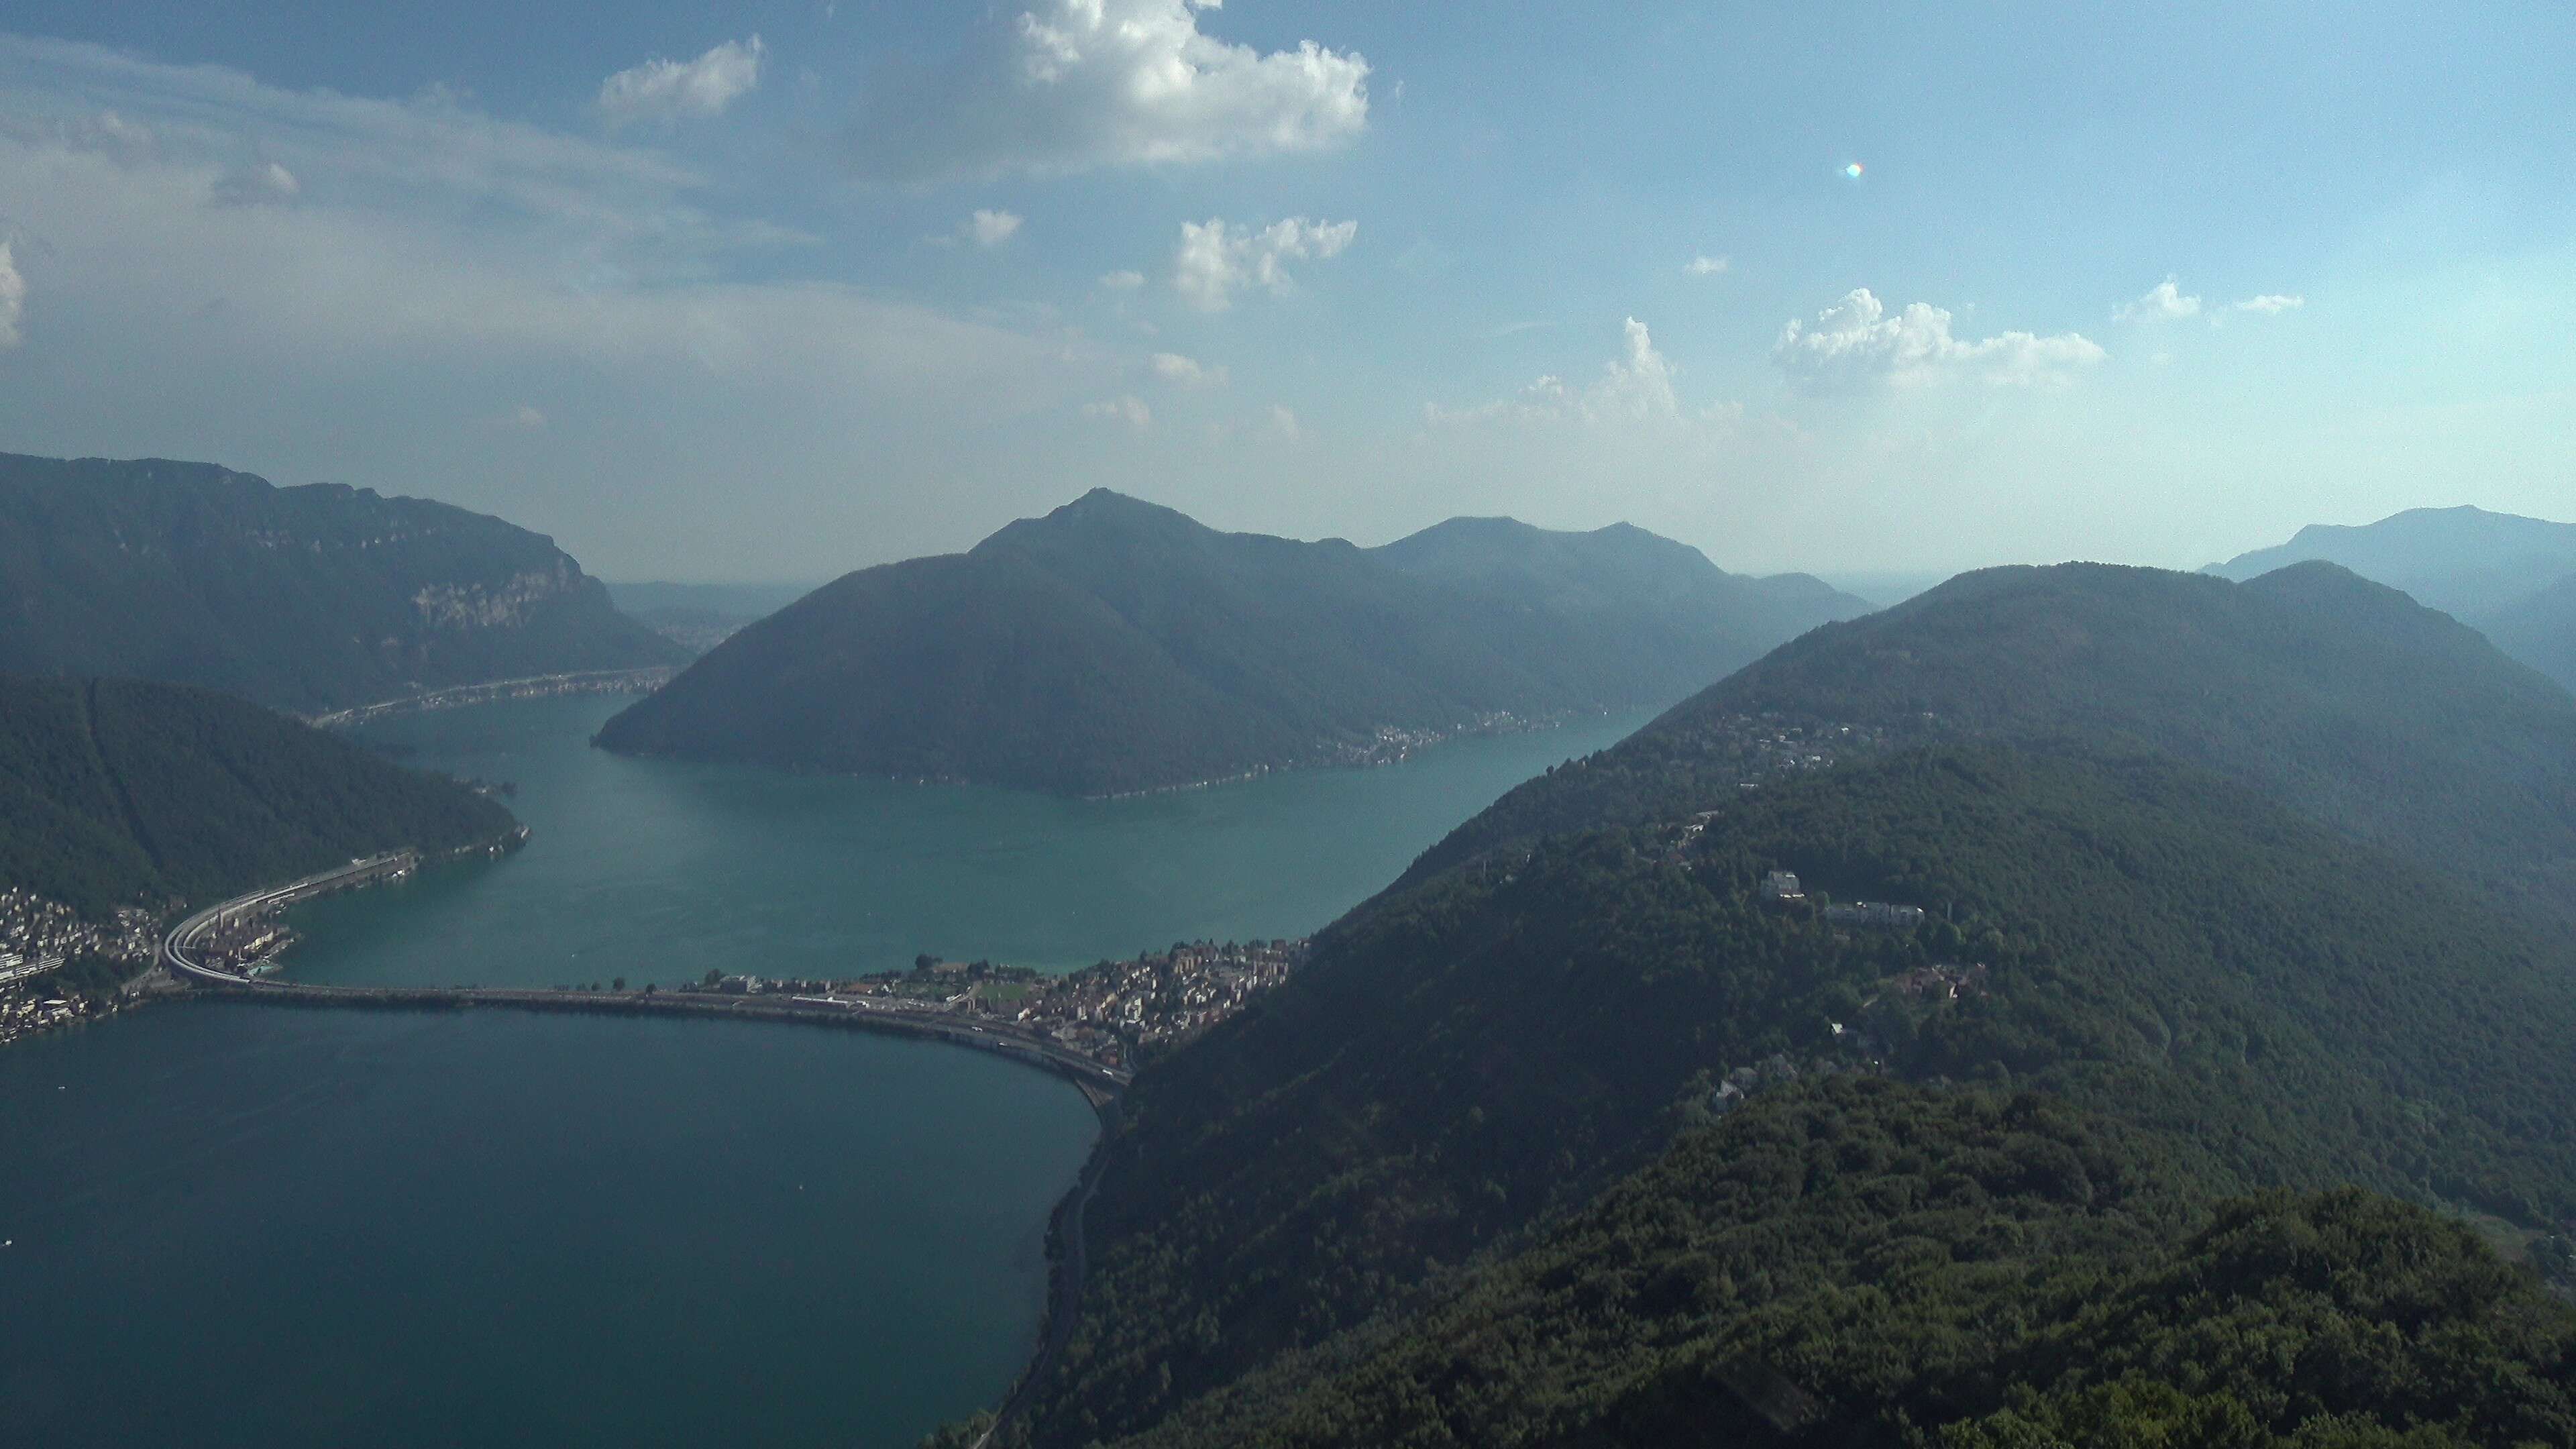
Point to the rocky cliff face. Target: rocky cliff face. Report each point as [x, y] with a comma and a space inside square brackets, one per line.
[306, 598]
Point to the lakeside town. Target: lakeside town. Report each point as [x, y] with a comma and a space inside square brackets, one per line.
[1114, 1013]
[39, 938]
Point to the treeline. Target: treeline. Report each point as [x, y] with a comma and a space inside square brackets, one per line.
[1472, 1056]
[115, 792]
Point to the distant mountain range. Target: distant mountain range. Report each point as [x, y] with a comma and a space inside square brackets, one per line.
[2512, 577]
[1114, 645]
[698, 617]
[117, 792]
[306, 599]
[1579, 1136]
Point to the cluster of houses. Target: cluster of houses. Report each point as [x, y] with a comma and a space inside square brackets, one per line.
[37, 937]
[1156, 998]
[1106, 1012]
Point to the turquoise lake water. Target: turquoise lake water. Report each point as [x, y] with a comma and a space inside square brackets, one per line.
[236, 1225]
[657, 871]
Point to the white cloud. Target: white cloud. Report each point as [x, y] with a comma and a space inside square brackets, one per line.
[2163, 302]
[1705, 266]
[1855, 344]
[991, 228]
[13, 299]
[1634, 388]
[2271, 303]
[267, 182]
[1214, 259]
[529, 419]
[457, 248]
[1284, 425]
[1122, 281]
[1182, 371]
[1130, 410]
[671, 90]
[1078, 84]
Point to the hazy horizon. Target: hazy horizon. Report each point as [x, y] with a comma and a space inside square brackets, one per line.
[812, 287]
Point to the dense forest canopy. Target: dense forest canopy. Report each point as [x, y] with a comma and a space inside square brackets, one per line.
[308, 599]
[1114, 645]
[1857, 1262]
[2340, 698]
[1472, 1055]
[115, 792]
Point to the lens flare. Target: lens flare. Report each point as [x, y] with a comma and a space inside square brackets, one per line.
[1852, 171]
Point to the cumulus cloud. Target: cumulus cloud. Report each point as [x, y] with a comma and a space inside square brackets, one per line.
[1122, 281]
[1215, 258]
[266, 183]
[1130, 410]
[1636, 387]
[1077, 84]
[672, 90]
[2163, 302]
[1855, 344]
[1705, 266]
[991, 228]
[2271, 303]
[13, 299]
[1182, 371]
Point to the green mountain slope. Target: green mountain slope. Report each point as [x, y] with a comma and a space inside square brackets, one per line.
[2341, 698]
[2005, 1270]
[306, 598]
[116, 792]
[2463, 561]
[1114, 645]
[1466, 1057]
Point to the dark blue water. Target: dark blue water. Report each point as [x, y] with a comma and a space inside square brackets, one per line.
[262, 1226]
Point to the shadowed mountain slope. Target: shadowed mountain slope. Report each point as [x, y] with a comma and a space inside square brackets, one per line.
[307, 599]
[117, 792]
[1114, 645]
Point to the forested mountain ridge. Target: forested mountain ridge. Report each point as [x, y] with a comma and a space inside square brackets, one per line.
[122, 793]
[2512, 578]
[1468, 1056]
[1114, 645]
[307, 599]
[1857, 1262]
[2341, 698]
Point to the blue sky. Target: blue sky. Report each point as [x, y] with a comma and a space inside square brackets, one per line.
[773, 291]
